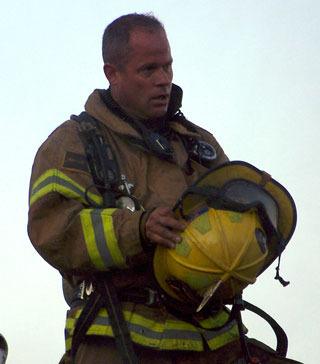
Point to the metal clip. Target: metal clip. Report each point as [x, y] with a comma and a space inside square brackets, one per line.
[82, 287]
[152, 298]
[126, 185]
[85, 289]
[89, 289]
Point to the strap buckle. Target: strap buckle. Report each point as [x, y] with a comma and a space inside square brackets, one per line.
[152, 297]
[85, 289]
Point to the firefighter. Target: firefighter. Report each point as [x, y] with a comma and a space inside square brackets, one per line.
[102, 191]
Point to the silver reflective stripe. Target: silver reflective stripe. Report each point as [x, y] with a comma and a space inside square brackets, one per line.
[54, 180]
[60, 181]
[174, 334]
[100, 238]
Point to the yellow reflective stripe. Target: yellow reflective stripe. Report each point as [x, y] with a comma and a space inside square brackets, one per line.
[170, 335]
[111, 238]
[180, 325]
[218, 338]
[102, 244]
[89, 238]
[223, 338]
[68, 342]
[145, 332]
[215, 321]
[54, 180]
[181, 344]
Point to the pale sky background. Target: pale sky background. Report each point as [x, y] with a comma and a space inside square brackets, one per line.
[250, 70]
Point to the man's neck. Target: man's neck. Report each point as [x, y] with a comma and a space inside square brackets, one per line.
[159, 125]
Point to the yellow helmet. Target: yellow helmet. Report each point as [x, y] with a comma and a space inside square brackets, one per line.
[239, 221]
[219, 248]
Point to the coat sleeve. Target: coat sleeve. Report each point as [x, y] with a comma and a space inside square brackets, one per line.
[63, 226]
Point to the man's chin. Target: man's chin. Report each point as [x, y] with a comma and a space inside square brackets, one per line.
[158, 113]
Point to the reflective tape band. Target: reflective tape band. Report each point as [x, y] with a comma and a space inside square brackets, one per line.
[111, 239]
[54, 180]
[100, 238]
[221, 338]
[169, 335]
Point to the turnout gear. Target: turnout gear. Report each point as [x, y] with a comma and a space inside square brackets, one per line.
[72, 230]
[92, 234]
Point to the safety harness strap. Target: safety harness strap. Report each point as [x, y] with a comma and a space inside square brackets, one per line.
[101, 159]
[239, 305]
[87, 316]
[282, 339]
[105, 173]
[119, 326]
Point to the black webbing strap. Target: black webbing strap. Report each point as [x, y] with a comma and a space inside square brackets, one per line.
[119, 326]
[239, 305]
[236, 313]
[106, 296]
[282, 339]
[101, 159]
[105, 174]
[85, 320]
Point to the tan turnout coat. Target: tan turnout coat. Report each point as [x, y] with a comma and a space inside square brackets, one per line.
[78, 239]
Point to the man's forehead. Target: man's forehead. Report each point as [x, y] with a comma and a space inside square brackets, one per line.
[146, 37]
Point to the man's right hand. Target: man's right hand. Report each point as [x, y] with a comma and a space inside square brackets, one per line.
[163, 228]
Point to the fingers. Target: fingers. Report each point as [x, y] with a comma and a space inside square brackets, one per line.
[163, 228]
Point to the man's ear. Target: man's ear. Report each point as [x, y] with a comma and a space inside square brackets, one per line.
[111, 73]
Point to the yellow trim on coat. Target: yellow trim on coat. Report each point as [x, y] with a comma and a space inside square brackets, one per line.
[54, 180]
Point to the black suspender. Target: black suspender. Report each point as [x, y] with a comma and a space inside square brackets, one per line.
[106, 177]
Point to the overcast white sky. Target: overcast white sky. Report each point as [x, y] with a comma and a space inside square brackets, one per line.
[250, 71]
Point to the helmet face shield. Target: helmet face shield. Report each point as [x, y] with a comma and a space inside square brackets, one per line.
[236, 195]
[245, 195]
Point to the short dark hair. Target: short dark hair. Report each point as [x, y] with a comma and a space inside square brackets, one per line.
[116, 36]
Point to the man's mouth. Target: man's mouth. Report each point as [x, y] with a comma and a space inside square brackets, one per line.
[163, 98]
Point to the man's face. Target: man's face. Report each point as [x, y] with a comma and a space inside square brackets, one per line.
[142, 86]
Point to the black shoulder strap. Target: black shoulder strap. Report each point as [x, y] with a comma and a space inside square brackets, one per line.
[101, 159]
[106, 176]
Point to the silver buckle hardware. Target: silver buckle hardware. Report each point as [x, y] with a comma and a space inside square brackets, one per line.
[85, 289]
[153, 297]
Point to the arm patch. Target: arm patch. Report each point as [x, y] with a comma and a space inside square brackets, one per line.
[76, 161]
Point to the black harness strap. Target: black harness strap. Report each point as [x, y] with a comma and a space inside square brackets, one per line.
[86, 318]
[119, 326]
[105, 173]
[101, 159]
[238, 305]
[282, 339]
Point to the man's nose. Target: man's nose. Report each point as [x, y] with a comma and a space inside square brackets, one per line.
[163, 77]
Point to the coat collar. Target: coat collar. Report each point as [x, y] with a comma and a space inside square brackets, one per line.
[96, 107]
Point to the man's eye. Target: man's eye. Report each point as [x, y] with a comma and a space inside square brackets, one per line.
[167, 68]
[148, 70]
